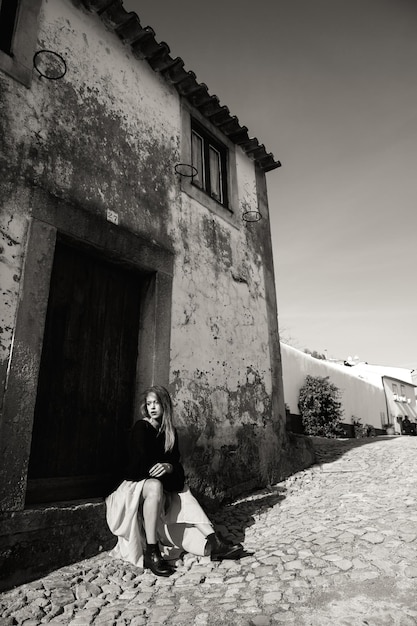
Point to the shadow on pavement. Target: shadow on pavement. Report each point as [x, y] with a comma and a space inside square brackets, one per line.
[329, 450]
[233, 519]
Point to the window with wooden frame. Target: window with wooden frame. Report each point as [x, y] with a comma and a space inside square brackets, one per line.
[209, 157]
[18, 37]
[210, 166]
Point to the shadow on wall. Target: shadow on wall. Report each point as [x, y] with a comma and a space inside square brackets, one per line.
[329, 450]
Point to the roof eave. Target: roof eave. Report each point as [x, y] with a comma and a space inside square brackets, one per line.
[144, 45]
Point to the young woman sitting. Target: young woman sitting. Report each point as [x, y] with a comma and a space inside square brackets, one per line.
[153, 510]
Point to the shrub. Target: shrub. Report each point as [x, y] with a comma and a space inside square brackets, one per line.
[362, 430]
[320, 407]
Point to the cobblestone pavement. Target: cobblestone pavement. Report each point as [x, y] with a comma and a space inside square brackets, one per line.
[333, 545]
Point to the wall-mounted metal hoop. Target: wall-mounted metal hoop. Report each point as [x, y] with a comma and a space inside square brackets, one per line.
[251, 216]
[49, 64]
[186, 170]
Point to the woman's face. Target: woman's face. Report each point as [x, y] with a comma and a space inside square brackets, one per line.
[153, 406]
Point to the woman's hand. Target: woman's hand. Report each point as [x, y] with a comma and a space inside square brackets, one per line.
[159, 469]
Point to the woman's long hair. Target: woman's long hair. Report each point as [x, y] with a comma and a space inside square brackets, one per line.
[167, 425]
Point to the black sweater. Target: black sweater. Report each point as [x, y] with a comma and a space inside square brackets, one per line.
[146, 448]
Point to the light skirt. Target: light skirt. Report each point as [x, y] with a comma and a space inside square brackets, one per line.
[176, 530]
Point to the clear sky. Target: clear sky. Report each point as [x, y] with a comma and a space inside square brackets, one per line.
[330, 88]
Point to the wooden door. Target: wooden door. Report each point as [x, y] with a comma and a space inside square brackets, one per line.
[87, 378]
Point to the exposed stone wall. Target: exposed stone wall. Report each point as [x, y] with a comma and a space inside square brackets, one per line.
[37, 541]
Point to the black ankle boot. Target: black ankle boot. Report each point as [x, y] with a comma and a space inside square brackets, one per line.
[153, 560]
[221, 549]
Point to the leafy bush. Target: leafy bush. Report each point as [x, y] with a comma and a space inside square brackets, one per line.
[320, 407]
[358, 427]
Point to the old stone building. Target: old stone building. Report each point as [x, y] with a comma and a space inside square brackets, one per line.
[131, 253]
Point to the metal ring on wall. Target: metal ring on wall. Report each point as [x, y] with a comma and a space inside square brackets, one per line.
[186, 170]
[251, 216]
[49, 64]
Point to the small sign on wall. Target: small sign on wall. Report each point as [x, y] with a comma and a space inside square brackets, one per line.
[112, 217]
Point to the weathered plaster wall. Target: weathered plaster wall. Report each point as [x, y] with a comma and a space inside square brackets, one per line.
[220, 355]
[231, 431]
[104, 137]
[107, 137]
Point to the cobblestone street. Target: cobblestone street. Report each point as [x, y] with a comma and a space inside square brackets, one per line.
[333, 545]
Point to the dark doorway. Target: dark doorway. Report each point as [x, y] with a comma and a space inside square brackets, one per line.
[86, 388]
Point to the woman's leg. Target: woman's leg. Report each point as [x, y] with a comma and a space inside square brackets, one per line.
[153, 496]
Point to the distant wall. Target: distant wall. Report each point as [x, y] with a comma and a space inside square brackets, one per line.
[359, 398]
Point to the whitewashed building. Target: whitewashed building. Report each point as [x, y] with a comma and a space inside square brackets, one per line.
[376, 395]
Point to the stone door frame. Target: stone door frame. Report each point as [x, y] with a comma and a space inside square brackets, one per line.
[51, 217]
